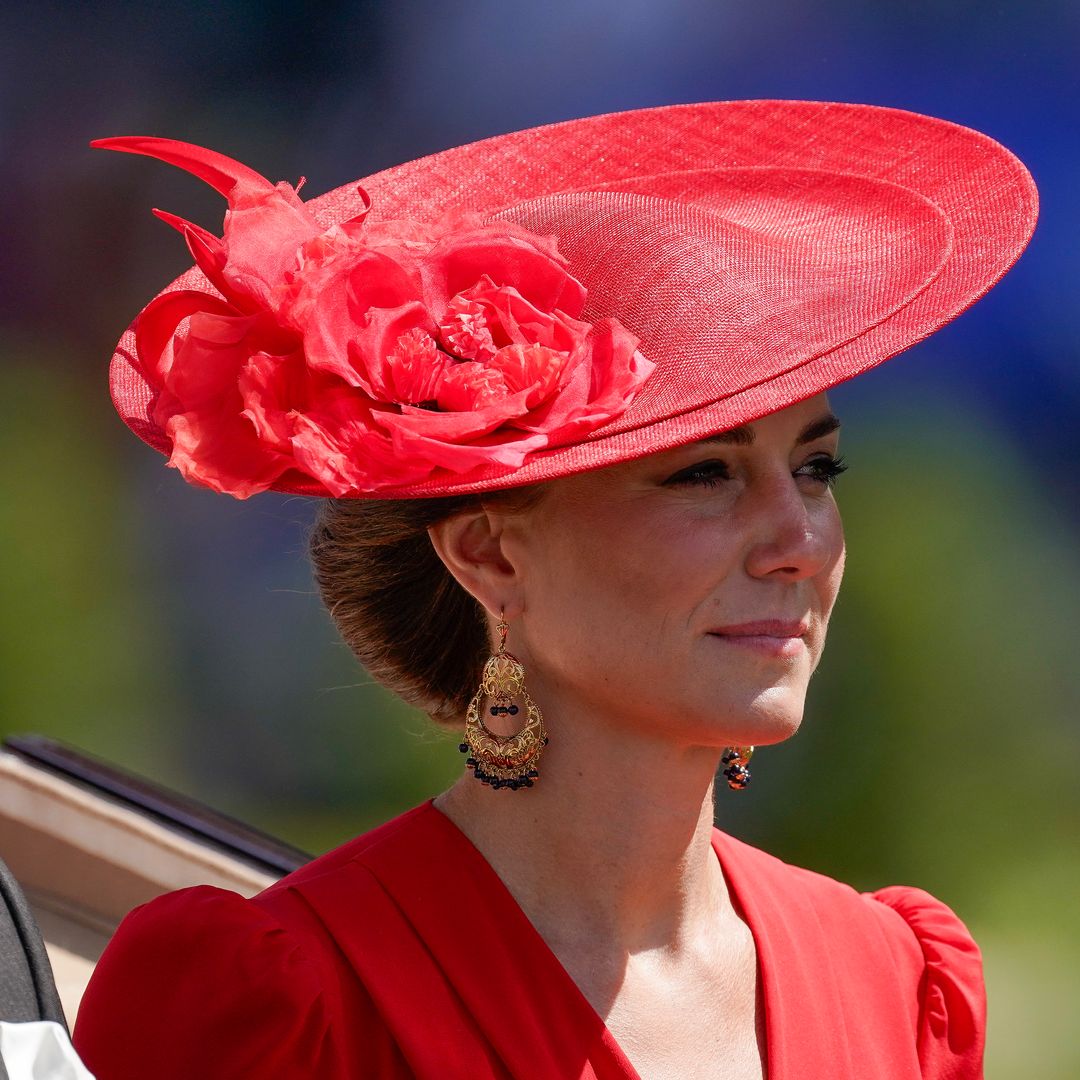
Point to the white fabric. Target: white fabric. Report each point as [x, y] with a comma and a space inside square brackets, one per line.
[39, 1050]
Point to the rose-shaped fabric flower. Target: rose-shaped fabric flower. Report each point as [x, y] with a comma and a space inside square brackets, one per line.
[368, 356]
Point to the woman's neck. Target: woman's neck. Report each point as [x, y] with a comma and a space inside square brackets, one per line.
[611, 849]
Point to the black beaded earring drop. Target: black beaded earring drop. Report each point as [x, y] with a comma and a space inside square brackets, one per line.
[736, 773]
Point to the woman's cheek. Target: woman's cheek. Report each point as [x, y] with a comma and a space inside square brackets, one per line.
[828, 588]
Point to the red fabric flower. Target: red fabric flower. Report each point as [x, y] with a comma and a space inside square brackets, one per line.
[369, 356]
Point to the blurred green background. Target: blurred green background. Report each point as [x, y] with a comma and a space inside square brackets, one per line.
[177, 633]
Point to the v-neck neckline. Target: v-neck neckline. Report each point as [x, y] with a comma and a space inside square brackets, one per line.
[741, 893]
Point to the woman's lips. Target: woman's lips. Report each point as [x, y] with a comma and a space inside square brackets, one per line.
[774, 637]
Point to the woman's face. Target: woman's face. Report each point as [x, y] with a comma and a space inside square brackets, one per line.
[686, 593]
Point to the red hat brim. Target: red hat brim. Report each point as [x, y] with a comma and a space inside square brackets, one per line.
[922, 215]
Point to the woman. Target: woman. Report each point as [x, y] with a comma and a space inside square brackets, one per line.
[567, 391]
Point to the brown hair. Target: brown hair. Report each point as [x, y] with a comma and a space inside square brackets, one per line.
[408, 621]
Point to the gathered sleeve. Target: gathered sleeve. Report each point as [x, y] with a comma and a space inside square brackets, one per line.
[952, 996]
[202, 983]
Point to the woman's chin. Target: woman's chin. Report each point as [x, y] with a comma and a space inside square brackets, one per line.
[779, 729]
[770, 718]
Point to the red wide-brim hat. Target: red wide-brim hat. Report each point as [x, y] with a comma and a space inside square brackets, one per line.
[715, 263]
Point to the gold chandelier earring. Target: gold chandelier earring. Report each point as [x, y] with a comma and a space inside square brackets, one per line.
[736, 758]
[503, 761]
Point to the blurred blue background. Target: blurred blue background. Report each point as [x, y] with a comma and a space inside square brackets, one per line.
[177, 632]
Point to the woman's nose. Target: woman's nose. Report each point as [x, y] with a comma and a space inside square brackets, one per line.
[795, 536]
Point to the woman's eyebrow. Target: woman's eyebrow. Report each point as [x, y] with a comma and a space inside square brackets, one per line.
[818, 429]
[744, 436]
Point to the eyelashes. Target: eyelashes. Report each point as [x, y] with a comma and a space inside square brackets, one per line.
[827, 469]
[706, 474]
[824, 469]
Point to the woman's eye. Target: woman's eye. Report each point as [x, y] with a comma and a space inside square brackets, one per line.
[706, 474]
[825, 470]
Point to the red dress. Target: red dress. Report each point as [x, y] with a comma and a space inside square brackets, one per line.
[402, 954]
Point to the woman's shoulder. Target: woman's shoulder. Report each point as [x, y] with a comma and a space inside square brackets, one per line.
[203, 982]
[923, 930]
[193, 976]
[952, 993]
[252, 979]
[898, 937]
[404, 836]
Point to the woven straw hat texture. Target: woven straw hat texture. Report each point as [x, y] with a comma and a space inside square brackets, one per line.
[763, 251]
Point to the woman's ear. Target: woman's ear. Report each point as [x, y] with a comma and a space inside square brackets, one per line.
[470, 545]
